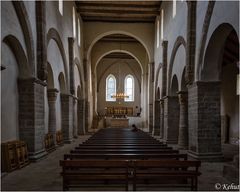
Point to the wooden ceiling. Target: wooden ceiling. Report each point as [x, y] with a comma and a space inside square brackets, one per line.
[118, 55]
[119, 11]
[119, 38]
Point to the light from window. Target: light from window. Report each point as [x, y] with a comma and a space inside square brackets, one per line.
[60, 6]
[174, 8]
[74, 23]
[110, 88]
[158, 40]
[129, 88]
[79, 33]
[162, 17]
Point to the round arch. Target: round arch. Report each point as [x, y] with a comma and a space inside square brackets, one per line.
[211, 68]
[27, 32]
[179, 41]
[80, 70]
[54, 35]
[50, 77]
[62, 83]
[116, 32]
[174, 85]
[117, 50]
[18, 51]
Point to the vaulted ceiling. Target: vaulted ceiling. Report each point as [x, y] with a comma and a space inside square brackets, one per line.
[119, 11]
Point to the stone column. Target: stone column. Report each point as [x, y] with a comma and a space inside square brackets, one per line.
[67, 124]
[41, 40]
[86, 114]
[81, 117]
[31, 116]
[161, 118]
[164, 69]
[52, 96]
[150, 96]
[71, 64]
[157, 118]
[171, 119]
[75, 134]
[183, 120]
[191, 41]
[204, 121]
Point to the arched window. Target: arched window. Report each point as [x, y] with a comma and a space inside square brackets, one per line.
[60, 6]
[162, 19]
[79, 33]
[129, 88]
[158, 39]
[74, 23]
[110, 88]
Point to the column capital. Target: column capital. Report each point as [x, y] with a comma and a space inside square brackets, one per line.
[164, 43]
[52, 94]
[182, 96]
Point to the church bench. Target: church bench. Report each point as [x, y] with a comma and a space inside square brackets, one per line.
[123, 147]
[124, 144]
[135, 151]
[76, 172]
[173, 172]
[126, 156]
[84, 148]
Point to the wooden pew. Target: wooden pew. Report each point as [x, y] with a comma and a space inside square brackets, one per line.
[125, 156]
[99, 147]
[74, 172]
[141, 151]
[166, 170]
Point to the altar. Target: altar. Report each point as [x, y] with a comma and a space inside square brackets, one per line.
[119, 122]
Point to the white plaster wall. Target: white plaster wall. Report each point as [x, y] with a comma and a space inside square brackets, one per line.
[9, 95]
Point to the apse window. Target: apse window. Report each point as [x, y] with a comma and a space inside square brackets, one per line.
[60, 6]
[74, 23]
[129, 88]
[174, 8]
[110, 88]
[79, 34]
[162, 17]
[158, 38]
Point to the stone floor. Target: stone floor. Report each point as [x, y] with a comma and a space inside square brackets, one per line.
[44, 175]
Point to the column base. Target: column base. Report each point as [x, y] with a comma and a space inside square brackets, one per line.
[171, 141]
[209, 157]
[36, 156]
[68, 141]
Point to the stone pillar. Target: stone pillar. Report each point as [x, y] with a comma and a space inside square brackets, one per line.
[67, 124]
[157, 118]
[150, 96]
[191, 41]
[164, 69]
[41, 40]
[71, 64]
[75, 131]
[161, 118]
[31, 116]
[86, 114]
[81, 117]
[204, 121]
[171, 119]
[52, 96]
[183, 120]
